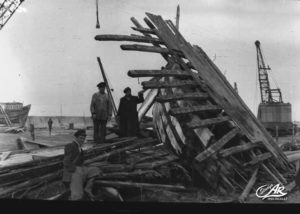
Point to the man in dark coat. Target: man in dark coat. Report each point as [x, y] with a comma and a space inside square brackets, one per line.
[127, 113]
[75, 174]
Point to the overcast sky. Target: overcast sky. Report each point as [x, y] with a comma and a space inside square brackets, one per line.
[48, 52]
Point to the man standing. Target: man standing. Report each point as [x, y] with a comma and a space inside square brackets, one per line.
[75, 173]
[31, 129]
[101, 110]
[50, 125]
[127, 113]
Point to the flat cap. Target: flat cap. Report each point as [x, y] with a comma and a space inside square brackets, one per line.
[101, 84]
[80, 132]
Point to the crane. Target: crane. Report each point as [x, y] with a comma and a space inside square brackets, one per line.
[7, 9]
[274, 114]
[268, 95]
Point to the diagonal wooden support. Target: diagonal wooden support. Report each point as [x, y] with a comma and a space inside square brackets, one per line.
[238, 149]
[217, 145]
[249, 186]
[148, 102]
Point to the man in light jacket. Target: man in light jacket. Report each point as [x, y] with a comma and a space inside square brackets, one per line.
[101, 110]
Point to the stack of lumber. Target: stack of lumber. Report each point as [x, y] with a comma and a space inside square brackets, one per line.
[198, 114]
[125, 163]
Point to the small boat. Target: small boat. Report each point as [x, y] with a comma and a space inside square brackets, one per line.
[14, 113]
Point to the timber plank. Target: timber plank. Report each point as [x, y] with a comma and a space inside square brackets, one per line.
[144, 30]
[183, 96]
[148, 84]
[193, 109]
[145, 48]
[217, 145]
[138, 25]
[135, 38]
[148, 102]
[259, 158]
[157, 73]
[206, 122]
[172, 121]
[238, 149]
[170, 131]
[121, 184]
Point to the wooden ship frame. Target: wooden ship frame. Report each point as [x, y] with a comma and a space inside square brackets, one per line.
[206, 135]
[199, 115]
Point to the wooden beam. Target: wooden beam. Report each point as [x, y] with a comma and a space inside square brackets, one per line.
[271, 174]
[184, 96]
[144, 48]
[193, 109]
[206, 122]
[217, 145]
[144, 30]
[148, 102]
[249, 186]
[138, 25]
[121, 184]
[258, 158]
[138, 144]
[238, 149]
[149, 23]
[157, 73]
[135, 38]
[148, 84]
[277, 173]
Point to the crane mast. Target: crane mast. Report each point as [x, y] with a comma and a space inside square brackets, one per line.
[268, 95]
[7, 9]
[274, 115]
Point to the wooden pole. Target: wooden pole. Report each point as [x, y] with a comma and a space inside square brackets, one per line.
[177, 17]
[114, 108]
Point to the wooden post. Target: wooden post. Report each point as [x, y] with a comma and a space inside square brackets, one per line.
[249, 186]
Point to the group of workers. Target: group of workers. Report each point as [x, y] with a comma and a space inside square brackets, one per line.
[80, 178]
[127, 115]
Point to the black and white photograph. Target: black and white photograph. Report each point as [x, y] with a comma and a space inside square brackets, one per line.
[166, 102]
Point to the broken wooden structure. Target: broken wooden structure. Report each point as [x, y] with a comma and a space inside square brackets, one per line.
[199, 114]
[127, 164]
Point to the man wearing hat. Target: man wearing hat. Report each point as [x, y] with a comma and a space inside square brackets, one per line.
[75, 174]
[101, 110]
[127, 113]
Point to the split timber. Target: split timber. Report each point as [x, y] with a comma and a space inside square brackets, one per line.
[200, 116]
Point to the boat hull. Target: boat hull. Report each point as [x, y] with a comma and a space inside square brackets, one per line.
[18, 117]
